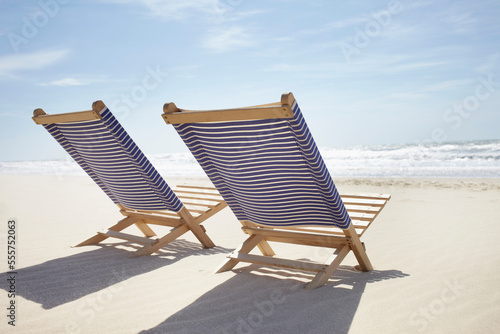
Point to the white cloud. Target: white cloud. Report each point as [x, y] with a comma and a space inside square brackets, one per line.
[373, 66]
[450, 85]
[336, 25]
[31, 61]
[65, 82]
[405, 96]
[181, 9]
[491, 64]
[222, 40]
[462, 23]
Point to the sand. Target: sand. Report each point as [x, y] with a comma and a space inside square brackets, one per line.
[435, 251]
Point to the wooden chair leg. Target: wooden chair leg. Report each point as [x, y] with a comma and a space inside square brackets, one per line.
[245, 248]
[122, 224]
[187, 223]
[198, 230]
[162, 242]
[145, 229]
[264, 246]
[332, 264]
[358, 249]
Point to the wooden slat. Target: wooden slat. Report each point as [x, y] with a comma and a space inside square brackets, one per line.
[360, 228]
[155, 219]
[187, 116]
[203, 190]
[289, 236]
[361, 201]
[200, 199]
[198, 192]
[372, 200]
[143, 213]
[314, 229]
[199, 204]
[211, 212]
[196, 187]
[363, 208]
[278, 262]
[170, 223]
[128, 237]
[197, 211]
[385, 197]
[163, 213]
[200, 195]
[306, 240]
[78, 116]
[362, 216]
[361, 224]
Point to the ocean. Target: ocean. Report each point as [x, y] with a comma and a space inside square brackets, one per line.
[471, 159]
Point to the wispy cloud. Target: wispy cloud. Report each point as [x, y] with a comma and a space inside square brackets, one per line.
[335, 25]
[376, 65]
[462, 23]
[450, 85]
[177, 10]
[491, 64]
[405, 96]
[181, 9]
[31, 61]
[66, 82]
[222, 40]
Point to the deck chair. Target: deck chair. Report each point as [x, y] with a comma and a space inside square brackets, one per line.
[265, 163]
[99, 144]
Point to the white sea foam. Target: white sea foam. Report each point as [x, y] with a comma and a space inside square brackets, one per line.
[464, 159]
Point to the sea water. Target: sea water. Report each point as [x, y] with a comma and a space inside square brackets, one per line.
[469, 159]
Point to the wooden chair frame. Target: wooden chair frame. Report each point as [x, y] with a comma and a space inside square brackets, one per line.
[200, 203]
[362, 208]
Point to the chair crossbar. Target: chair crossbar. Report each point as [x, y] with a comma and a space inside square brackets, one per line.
[128, 237]
[302, 238]
[88, 115]
[187, 116]
[278, 262]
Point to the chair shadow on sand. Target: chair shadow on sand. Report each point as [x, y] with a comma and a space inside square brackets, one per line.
[267, 300]
[63, 280]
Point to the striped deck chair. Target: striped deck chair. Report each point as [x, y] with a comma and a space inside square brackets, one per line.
[99, 144]
[265, 163]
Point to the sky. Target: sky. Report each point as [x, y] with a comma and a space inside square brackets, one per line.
[363, 72]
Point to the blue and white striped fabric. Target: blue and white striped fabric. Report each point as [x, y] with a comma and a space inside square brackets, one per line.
[269, 172]
[111, 158]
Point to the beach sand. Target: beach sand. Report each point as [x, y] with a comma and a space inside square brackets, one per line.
[435, 250]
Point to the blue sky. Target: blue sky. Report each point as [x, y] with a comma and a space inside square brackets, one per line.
[363, 72]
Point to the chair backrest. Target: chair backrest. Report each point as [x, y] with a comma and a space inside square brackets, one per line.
[111, 158]
[269, 171]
